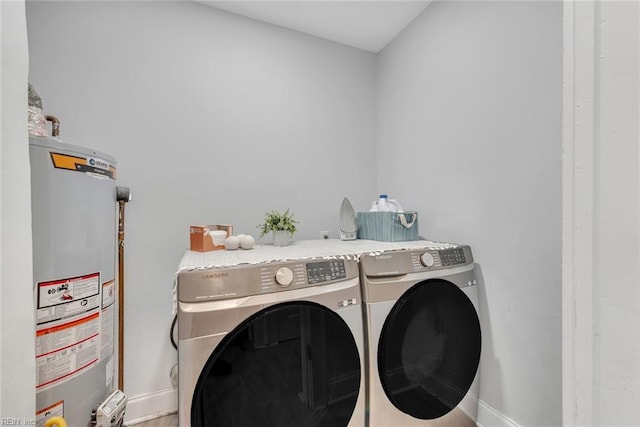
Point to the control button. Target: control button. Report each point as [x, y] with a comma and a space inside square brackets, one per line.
[427, 259]
[284, 276]
[347, 302]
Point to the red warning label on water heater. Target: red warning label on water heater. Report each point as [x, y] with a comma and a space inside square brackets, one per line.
[66, 350]
[68, 328]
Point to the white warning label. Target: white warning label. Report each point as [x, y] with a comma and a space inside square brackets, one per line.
[108, 319]
[44, 414]
[60, 299]
[72, 289]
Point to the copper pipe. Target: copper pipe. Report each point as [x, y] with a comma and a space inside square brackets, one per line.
[55, 125]
[121, 205]
[123, 195]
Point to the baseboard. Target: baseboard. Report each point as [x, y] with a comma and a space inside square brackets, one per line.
[488, 416]
[153, 405]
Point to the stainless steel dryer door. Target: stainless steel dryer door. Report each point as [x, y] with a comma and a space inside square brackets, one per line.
[429, 349]
[292, 364]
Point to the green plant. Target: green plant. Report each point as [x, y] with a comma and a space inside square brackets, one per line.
[275, 220]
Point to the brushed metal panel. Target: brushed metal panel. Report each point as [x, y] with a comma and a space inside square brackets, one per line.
[204, 322]
[384, 279]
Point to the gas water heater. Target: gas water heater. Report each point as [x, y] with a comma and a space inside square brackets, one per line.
[73, 196]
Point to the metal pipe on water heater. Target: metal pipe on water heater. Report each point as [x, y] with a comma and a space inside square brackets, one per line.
[123, 195]
[55, 125]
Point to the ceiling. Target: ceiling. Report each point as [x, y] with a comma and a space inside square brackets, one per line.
[364, 24]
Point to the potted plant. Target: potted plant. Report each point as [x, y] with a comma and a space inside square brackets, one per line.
[281, 224]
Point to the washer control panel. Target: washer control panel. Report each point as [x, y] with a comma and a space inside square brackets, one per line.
[325, 271]
[278, 276]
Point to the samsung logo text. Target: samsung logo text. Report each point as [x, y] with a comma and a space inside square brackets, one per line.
[215, 275]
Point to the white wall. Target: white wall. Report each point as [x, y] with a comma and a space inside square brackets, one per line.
[214, 118]
[469, 135]
[17, 333]
[480, 108]
[601, 214]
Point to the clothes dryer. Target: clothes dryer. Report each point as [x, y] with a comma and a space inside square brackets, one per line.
[271, 344]
[423, 337]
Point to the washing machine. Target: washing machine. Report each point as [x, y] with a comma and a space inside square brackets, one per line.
[422, 335]
[271, 344]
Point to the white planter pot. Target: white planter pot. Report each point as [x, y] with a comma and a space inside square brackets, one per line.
[281, 238]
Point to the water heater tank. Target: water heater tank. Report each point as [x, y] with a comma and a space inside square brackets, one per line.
[74, 227]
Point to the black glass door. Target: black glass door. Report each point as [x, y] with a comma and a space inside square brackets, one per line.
[293, 364]
[429, 349]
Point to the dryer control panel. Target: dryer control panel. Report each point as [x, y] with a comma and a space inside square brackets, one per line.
[440, 258]
[452, 256]
[397, 263]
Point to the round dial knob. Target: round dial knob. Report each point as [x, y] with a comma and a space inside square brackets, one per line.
[427, 259]
[284, 276]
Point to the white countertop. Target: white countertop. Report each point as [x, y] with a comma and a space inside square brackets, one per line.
[303, 249]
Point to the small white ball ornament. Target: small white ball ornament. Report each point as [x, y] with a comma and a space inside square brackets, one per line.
[247, 242]
[232, 243]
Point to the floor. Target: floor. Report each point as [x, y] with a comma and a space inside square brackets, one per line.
[166, 421]
[172, 421]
